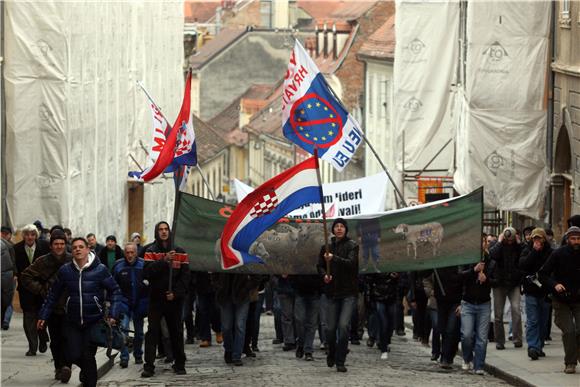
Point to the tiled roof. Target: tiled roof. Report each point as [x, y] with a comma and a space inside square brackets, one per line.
[208, 141]
[199, 11]
[335, 9]
[381, 44]
[226, 37]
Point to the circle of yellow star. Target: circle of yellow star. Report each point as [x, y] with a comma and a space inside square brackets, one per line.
[307, 135]
[301, 128]
[315, 138]
[333, 124]
[323, 138]
[299, 119]
[325, 108]
[331, 115]
[317, 104]
[309, 106]
[330, 132]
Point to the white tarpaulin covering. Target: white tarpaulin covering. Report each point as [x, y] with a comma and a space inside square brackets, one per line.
[365, 196]
[426, 55]
[74, 113]
[502, 135]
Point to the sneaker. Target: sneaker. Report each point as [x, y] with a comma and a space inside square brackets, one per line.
[370, 342]
[570, 369]
[434, 357]
[479, 372]
[30, 353]
[299, 352]
[138, 360]
[168, 360]
[249, 353]
[204, 344]
[147, 373]
[322, 346]
[219, 338]
[124, 363]
[65, 374]
[499, 347]
[445, 365]
[385, 356]
[238, 362]
[255, 348]
[228, 358]
[42, 347]
[178, 371]
[308, 357]
[466, 366]
[5, 327]
[542, 353]
[518, 344]
[341, 368]
[533, 354]
[288, 347]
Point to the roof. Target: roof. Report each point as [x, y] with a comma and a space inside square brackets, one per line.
[199, 11]
[213, 47]
[269, 119]
[381, 44]
[335, 9]
[207, 140]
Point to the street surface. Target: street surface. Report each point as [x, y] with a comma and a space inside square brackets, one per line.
[408, 365]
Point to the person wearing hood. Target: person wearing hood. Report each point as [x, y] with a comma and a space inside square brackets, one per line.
[86, 280]
[505, 281]
[533, 257]
[165, 302]
[561, 276]
[111, 253]
[341, 289]
[38, 279]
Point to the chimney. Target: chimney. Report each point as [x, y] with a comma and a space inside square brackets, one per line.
[317, 46]
[325, 42]
[334, 46]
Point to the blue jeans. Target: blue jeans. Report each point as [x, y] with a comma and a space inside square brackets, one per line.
[306, 310]
[234, 327]
[287, 309]
[537, 310]
[370, 250]
[474, 329]
[436, 340]
[339, 312]
[137, 339]
[386, 320]
[209, 316]
[373, 323]
[257, 316]
[277, 310]
[322, 324]
[448, 325]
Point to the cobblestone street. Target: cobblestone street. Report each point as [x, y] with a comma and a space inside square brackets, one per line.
[408, 365]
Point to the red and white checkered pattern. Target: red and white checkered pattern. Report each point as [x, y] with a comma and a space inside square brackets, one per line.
[265, 206]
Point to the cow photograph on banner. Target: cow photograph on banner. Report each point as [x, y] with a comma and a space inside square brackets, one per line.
[438, 234]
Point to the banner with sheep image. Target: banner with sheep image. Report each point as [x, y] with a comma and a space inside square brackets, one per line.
[433, 235]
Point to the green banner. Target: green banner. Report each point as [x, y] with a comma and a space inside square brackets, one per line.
[416, 238]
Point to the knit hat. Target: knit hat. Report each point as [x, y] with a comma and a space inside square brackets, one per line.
[57, 234]
[111, 238]
[7, 229]
[341, 221]
[509, 233]
[135, 235]
[573, 231]
[539, 233]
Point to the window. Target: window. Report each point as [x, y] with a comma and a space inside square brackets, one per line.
[565, 9]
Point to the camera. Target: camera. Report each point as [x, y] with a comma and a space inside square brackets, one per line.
[507, 234]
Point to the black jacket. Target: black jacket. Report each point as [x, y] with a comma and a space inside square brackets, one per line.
[39, 277]
[234, 287]
[452, 285]
[563, 267]
[119, 254]
[28, 301]
[382, 287]
[157, 274]
[343, 268]
[530, 263]
[506, 272]
[306, 285]
[474, 291]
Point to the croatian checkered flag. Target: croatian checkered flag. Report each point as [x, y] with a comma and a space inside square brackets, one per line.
[263, 207]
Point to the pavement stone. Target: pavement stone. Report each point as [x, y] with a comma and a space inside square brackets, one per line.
[409, 364]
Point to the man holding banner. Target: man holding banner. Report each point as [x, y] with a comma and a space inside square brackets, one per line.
[341, 289]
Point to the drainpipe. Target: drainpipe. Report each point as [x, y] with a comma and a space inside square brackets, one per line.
[334, 39]
[317, 45]
[325, 42]
[550, 128]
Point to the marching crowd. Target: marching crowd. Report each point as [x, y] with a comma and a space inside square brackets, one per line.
[67, 286]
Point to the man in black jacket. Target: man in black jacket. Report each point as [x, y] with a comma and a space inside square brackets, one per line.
[165, 300]
[38, 279]
[533, 258]
[341, 289]
[505, 281]
[26, 252]
[561, 275]
[111, 253]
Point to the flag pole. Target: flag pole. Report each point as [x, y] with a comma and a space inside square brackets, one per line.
[205, 181]
[372, 149]
[324, 223]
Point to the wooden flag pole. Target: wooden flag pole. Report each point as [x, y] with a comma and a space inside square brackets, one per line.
[326, 248]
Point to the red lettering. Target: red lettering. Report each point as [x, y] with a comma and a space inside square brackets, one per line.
[293, 58]
[302, 71]
[160, 141]
[226, 212]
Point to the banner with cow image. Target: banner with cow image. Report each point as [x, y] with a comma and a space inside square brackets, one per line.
[438, 234]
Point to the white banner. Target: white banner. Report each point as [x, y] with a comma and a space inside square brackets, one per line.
[343, 199]
[502, 135]
[426, 53]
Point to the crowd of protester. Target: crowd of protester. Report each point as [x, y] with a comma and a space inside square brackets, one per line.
[67, 285]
